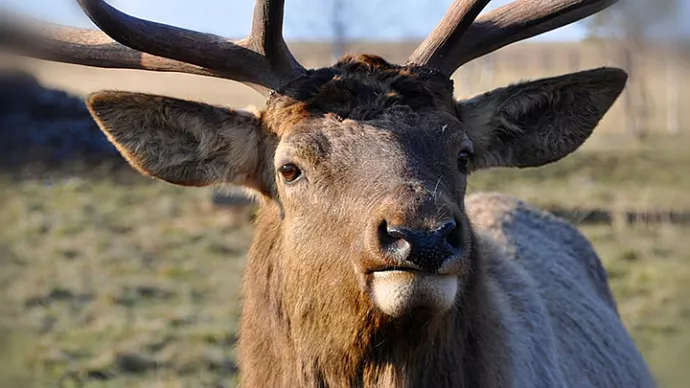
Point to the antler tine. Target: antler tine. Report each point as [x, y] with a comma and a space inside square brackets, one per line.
[519, 20]
[235, 61]
[435, 49]
[79, 46]
[522, 19]
[266, 37]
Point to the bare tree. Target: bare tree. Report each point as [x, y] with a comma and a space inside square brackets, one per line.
[632, 25]
[338, 28]
[336, 19]
[345, 21]
[673, 78]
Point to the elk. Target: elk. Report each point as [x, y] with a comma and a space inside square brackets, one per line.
[370, 267]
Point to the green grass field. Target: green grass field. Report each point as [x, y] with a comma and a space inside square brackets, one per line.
[121, 281]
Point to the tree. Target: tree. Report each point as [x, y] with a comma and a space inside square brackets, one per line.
[632, 25]
[344, 22]
[335, 19]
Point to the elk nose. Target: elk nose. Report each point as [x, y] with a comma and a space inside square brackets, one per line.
[426, 249]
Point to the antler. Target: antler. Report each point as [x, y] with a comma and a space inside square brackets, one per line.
[262, 61]
[457, 39]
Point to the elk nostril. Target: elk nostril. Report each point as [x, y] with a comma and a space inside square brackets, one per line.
[451, 234]
[384, 236]
[423, 248]
[447, 228]
[393, 240]
[447, 233]
[397, 233]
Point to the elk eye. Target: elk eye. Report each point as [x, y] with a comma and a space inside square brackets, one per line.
[290, 172]
[463, 160]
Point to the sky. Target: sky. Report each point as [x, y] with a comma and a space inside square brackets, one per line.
[304, 19]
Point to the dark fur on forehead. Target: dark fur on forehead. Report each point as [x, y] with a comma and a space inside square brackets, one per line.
[359, 88]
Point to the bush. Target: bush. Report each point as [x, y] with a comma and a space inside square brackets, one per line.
[38, 124]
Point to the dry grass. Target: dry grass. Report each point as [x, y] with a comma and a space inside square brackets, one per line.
[140, 282]
[614, 173]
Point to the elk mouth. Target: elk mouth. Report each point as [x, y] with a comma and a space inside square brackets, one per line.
[451, 267]
[397, 269]
[397, 291]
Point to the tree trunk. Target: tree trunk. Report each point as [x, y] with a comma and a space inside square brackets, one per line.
[673, 80]
[338, 28]
[488, 66]
[636, 94]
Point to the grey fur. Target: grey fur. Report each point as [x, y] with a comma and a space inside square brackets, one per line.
[554, 299]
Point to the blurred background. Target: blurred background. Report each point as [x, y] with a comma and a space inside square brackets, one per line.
[110, 279]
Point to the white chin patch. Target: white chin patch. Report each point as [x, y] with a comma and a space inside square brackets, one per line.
[399, 292]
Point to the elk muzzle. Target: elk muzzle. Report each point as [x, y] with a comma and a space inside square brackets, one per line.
[416, 250]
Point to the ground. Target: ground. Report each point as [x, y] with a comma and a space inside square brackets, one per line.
[119, 280]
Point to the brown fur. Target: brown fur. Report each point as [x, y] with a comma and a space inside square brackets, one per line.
[380, 143]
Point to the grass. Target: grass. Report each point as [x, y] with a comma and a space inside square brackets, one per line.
[649, 272]
[610, 173]
[122, 281]
[122, 285]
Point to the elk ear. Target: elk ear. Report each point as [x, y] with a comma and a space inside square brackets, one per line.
[182, 142]
[535, 123]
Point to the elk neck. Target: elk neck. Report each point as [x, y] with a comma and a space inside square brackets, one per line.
[336, 338]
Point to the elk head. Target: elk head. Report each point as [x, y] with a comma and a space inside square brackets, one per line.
[362, 166]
